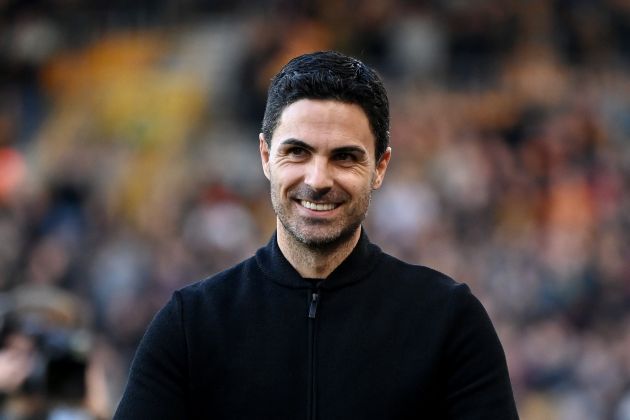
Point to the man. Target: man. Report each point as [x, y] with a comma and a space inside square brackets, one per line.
[320, 323]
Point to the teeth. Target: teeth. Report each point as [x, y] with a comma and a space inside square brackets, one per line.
[317, 206]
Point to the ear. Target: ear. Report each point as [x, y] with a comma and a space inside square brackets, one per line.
[264, 154]
[381, 168]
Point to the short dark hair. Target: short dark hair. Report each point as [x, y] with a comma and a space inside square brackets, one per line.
[329, 75]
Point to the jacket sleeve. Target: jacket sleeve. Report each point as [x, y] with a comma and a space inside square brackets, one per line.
[477, 380]
[158, 378]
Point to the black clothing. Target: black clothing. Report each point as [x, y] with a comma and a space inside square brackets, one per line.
[378, 339]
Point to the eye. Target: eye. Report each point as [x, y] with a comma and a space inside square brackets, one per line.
[345, 157]
[297, 152]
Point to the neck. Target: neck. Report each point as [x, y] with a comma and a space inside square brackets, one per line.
[314, 263]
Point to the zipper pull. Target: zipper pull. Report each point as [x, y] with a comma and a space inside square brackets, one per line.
[312, 309]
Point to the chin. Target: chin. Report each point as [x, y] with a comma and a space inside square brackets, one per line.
[326, 240]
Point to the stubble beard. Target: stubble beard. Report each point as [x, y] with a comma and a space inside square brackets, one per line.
[330, 234]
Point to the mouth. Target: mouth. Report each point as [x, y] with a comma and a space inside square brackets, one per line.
[318, 206]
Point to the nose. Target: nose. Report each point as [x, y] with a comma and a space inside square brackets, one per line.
[318, 175]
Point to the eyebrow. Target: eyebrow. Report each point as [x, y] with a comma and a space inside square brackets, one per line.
[296, 142]
[343, 149]
[350, 149]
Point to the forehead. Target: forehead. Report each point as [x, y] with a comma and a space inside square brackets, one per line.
[325, 123]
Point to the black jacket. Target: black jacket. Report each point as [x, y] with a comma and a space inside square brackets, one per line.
[378, 339]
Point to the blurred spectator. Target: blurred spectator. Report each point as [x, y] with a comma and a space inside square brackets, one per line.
[44, 353]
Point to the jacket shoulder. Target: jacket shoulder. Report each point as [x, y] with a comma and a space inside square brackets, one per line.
[418, 275]
[227, 279]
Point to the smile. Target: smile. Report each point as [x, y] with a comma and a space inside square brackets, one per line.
[318, 206]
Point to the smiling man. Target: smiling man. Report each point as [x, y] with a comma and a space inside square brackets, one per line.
[320, 323]
[322, 166]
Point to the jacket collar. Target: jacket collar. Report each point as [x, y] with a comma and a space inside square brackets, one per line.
[356, 266]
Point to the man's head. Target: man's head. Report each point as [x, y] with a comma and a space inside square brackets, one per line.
[320, 148]
[329, 75]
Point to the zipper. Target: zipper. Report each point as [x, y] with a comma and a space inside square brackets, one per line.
[314, 299]
[312, 308]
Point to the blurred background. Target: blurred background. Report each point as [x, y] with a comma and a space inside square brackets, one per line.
[129, 167]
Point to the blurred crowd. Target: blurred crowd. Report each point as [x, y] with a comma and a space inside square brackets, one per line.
[129, 167]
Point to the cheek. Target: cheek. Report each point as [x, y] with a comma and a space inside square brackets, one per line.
[356, 183]
[286, 176]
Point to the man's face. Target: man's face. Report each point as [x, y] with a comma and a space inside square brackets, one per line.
[322, 170]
